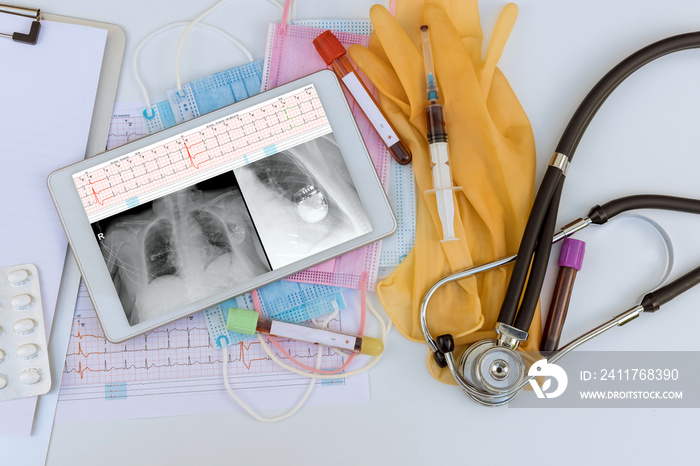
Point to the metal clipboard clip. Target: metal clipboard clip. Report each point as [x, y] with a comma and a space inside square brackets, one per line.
[33, 35]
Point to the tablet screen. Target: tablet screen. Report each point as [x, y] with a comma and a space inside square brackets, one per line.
[218, 205]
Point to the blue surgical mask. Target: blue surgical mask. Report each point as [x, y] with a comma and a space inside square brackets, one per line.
[204, 95]
[284, 300]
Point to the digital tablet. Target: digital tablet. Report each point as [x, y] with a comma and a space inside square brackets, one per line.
[186, 218]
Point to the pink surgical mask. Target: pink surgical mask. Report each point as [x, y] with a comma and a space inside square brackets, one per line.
[290, 55]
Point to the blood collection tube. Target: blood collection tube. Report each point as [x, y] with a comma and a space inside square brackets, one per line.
[334, 54]
[249, 322]
[570, 261]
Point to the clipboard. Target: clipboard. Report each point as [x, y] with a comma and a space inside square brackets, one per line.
[36, 445]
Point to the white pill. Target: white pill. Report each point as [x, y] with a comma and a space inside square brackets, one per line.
[2, 355]
[3, 381]
[24, 326]
[22, 302]
[30, 376]
[19, 277]
[27, 351]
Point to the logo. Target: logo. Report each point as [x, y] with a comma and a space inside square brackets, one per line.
[544, 369]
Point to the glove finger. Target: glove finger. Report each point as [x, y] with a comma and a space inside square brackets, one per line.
[465, 18]
[408, 15]
[376, 48]
[457, 79]
[404, 57]
[516, 149]
[382, 76]
[504, 26]
[464, 13]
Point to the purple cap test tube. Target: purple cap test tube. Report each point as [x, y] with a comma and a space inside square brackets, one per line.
[570, 261]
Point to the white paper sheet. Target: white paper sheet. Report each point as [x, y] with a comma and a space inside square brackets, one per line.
[46, 104]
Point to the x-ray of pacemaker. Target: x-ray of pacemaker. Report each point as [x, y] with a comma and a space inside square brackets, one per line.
[302, 200]
[181, 248]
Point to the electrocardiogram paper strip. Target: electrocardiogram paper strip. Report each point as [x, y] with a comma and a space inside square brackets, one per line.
[150, 372]
[199, 395]
[181, 349]
[220, 146]
[127, 125]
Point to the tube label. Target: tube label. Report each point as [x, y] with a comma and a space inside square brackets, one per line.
[312, 335]
[375, 116]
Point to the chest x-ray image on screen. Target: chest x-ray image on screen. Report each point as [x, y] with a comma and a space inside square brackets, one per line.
[302, 200]
[213, 235]
[181, 248]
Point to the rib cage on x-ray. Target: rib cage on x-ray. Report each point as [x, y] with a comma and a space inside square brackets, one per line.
[160, 256]
[302, 200]
[189, 244]
[192, 243]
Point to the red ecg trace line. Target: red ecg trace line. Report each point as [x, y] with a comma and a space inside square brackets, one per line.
[235, 142]
[173, 353]
[192, 157]
[97, 199]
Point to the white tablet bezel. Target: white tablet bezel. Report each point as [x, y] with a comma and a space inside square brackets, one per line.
[90, 259]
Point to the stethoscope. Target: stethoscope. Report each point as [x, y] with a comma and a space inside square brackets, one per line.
[492, 371]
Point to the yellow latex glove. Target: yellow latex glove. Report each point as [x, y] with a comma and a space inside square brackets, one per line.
[492, 154]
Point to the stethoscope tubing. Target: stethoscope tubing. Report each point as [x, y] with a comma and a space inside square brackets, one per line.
[531, 262]
[568, 230]
[598, 215]
[533, 254]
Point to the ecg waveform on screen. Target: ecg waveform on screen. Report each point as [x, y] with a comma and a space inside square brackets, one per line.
[180, 350]
[236, 139]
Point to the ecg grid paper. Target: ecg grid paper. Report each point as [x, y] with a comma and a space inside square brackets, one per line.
[176, 358]
[208, 150]
[127, 126]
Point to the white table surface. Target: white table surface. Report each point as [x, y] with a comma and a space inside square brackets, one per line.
[644, 140]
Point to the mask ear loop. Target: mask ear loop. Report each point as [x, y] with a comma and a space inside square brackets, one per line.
[193, 23]
[289, 11]
[316, 373]
[148, 112]
[249, 410]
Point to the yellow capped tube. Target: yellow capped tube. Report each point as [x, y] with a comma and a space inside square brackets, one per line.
[248, 322]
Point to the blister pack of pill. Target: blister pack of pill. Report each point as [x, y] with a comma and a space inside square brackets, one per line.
[24, 359]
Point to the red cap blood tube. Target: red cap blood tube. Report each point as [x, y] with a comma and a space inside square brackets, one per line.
[334, 54]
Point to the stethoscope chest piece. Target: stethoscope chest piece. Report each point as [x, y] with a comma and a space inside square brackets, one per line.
[492, 372]
[492, 368]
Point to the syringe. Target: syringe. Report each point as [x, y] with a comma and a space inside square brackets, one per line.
[439, 151]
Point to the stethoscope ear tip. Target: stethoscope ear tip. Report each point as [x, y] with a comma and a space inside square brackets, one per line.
[440, 359]
[445, 343]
